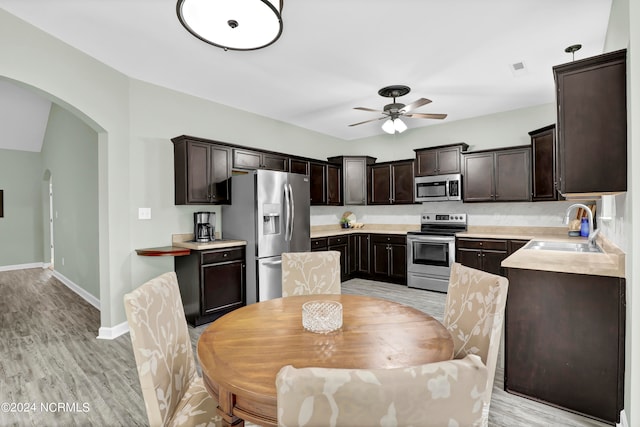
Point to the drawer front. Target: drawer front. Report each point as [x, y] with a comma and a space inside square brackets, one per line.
[386, 238]
[498, 245]
[338, 240]
[222, 255]
[318, 243]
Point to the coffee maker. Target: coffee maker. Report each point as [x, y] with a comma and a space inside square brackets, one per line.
[204, 227]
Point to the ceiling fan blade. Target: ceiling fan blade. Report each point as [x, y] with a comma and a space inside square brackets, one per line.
[426, 116]
[367, 121]
[415, 104]
[368, 109]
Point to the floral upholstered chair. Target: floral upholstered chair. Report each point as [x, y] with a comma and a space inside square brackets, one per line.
[442, 394]
[309, 273]
[474, 314]
[174, 394]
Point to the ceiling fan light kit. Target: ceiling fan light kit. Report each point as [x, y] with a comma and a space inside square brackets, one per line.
[392, 126]
[393, 111]
[232, 24]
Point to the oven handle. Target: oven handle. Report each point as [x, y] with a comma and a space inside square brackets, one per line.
[430, 238]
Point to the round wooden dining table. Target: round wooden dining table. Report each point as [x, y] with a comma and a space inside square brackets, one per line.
[241, 353]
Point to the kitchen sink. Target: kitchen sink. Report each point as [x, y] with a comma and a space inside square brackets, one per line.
[562, 246]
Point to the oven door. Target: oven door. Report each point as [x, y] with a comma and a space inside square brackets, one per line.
[429, 260]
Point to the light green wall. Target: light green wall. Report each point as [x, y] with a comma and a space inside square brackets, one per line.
[159, 114]
[21, 227]
[70, 155]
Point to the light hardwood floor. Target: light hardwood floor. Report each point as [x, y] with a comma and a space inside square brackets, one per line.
[55, 372]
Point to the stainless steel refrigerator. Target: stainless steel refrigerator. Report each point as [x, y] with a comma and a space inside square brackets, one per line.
[270, 210]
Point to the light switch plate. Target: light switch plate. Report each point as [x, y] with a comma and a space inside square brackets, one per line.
[144, 213]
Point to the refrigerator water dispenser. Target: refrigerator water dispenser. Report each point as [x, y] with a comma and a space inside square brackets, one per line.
[271, 218]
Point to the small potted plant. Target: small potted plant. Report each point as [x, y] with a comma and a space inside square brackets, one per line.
[344, 222]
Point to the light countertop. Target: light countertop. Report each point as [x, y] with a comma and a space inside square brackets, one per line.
[186, 241]
[336, 230]
[610, 263]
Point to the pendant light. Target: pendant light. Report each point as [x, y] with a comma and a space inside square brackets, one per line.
[233, 24]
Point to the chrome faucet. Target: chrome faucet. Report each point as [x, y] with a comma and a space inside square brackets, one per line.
[592, 233]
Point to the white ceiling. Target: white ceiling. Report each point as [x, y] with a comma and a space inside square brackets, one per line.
[334, 55]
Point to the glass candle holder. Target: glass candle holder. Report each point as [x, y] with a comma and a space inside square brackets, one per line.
[322, 316]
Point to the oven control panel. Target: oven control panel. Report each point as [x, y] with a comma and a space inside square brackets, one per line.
[443, 218]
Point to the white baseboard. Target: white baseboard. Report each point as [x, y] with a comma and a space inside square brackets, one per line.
[113, 332]
[77, 289]
[21, 266]
[106, 333]
[623, 420]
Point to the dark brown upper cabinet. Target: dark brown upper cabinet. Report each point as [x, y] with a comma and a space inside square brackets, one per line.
[249, 159]
[592, 124]
[334, 185]
[391, 183]
[324, 179]
[300, 166]
[497, 175]
[543, 164]
[318, 183]
[441, 160]
[201, 172]
[354, 178]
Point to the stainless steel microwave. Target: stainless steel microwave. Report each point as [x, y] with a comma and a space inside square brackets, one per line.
[438, 188]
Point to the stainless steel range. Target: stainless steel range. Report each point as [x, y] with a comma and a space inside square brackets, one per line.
[432, 250]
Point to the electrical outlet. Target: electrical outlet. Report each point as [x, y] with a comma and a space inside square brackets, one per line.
[62, 260]
[144, 213]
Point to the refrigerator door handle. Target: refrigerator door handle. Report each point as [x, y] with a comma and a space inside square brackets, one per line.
[272, 262]
[287, 202]
[293, 211]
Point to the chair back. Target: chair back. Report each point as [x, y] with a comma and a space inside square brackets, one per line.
[432, 395]
[161, 345]
[474, 314]
[310, 273]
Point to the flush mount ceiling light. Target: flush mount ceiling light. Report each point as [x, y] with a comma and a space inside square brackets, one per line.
[232, 24]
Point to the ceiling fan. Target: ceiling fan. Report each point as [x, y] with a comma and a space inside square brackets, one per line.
[393, 111]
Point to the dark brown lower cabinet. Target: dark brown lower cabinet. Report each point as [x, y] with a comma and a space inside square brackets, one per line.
[389, 258]
[319, 244]
[482, 254]
[565, 341]
[358, 256]
[212, 283]
[340, 244]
